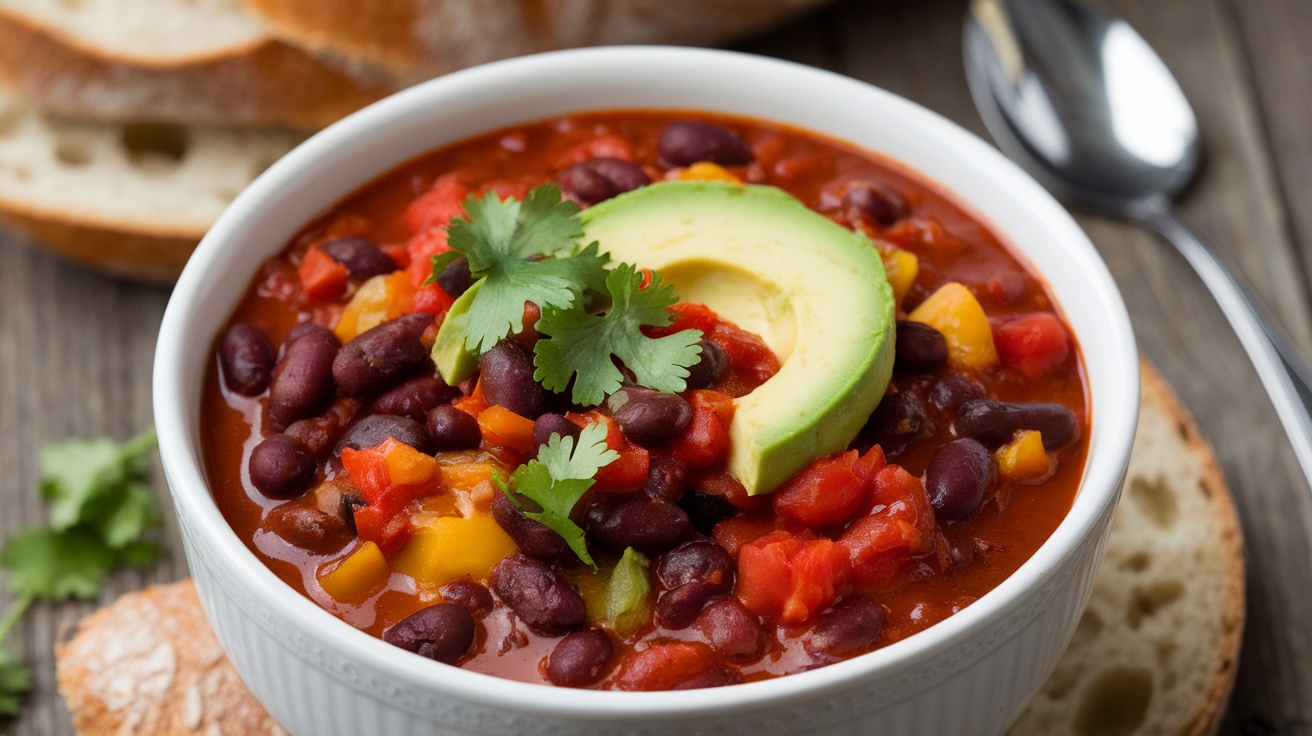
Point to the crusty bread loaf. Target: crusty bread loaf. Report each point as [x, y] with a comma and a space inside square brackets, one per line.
[129, 199]
[1157, 649]
[423, 38]
[177, 61]
[150, 665]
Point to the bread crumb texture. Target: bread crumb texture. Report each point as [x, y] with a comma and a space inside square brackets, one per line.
[1157, 647]
[149, 664]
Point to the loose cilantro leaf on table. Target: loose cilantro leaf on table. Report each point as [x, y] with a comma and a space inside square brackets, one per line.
[559, 477]
[15, 681]
[582, 344]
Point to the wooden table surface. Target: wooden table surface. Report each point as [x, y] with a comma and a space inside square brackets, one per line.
[76, 347]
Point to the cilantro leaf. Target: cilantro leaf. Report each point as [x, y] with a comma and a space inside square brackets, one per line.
[499, 237]
[558, 478]
[76, 474]
[15, 681]
[123, 514]
[582, 344]
[627, 592]
[56, 565]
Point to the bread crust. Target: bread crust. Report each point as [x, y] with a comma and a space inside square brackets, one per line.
[261, 81]
[155, 258]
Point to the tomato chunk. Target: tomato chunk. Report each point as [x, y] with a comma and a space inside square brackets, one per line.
[434, 208]
[829, 490]
[899, 526]
[791, 576]
[322, 278]
[630, 470]
[679, 665]
[706, 441]
[1035, 345]
[390, 476]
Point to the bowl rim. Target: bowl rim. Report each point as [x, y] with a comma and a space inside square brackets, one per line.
[1113, 422]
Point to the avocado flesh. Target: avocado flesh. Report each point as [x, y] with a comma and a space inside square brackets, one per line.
[815, 291]
[455, 363]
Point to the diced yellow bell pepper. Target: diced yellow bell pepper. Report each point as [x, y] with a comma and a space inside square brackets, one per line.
[901, 266]
[467, 475]
[379, 299]
[407, 466]
[359, 576]
[954, 311]
[1023, 458]
[451, 547]
[707, 171]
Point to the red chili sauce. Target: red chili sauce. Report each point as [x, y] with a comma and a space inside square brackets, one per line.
[851, 555]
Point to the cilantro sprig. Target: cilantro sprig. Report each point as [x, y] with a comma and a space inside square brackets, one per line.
[558, 478]
[100, 509]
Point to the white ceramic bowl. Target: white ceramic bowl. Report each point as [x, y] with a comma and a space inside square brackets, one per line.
[970, 674]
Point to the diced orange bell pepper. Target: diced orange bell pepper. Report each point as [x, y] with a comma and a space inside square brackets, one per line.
[502, 427]
[389, 476]
[901, 267]
[954, 311]
[377, 300]
[706, 171]
[357, 577]
[1024, 458]
[322, 278]
[474, 403]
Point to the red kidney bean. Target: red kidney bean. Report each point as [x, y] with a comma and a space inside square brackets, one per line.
[280, 468]
[376, 429]
[600, 179]
[474, 597]
[315, 434]
[551, 424]
[850, 626]
[533, 538]
[686, 143]
[643, 523]
[900, 419]
[954, 389]
[456, 278]
[730, 628]
[302, 383]
[506, 372]
[676, 665]
[678, 608]
[705, 510]
[246, 358]
[995, 422]
[376, 359]
[443, 632]
[308, 528]
[695, 561]
[579, 659]
[539, 595]
[711, 368]
[415, 398]
[624, 176]
[876, 201]
[919, 348]
[648, 417]
[667, 479]
[361, 257]
[957, 477]
[452, 429]
[301, 329]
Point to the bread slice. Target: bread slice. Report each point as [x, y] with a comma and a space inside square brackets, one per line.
[129, 199]
[417, 39]
[150, 665]
[179, 61]
[1158, 647]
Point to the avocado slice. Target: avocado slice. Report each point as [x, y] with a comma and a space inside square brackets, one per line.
[813, 290]
[455, 363]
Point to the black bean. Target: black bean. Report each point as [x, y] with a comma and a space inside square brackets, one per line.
[900, 418]
[469, 594]
[361, 257]
[730, 628]
[711, 368]
[705, 510]
[957, 477]
[506, 372]
[415, 398]
[456, 278]
[452, 429]
[686, 143]
[378, 358]
[376, 429]
[995, 422]
[280, 468]
[848, 627]
[678, 608]
[648, 417]
[919, 348]
[954, 389]
[309, 528]
[443, 632]
[666, 479]
[878, 202]
[553, 424]
[246, 358]
[533, 538]
[302, 383]
[598, 179]
[579, 659]
[539, 595]
[696, 561]
[645, 524]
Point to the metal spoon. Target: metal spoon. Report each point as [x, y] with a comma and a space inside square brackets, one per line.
[1085, 105]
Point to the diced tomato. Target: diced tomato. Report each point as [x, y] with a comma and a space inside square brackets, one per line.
[399, 254]
[390, 476]
[1035, 345]
[603, 146]
[435, 208]
[422, 247]
[751, 361]
[899, 526]
[791, 576]
[390, 533]
[673, 666]
[432, 299]
[630, 470]
[739, 530]
[720, 482]
[685, 316]
[706, 441]
[322, 278]
[829, 490]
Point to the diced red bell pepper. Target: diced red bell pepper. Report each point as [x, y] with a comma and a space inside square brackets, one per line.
[706, 440]
[1035, 345]
[899, 526]
[322, 278]
[791, 577]
[829, 490]
[435, 208]
[422, 246]
[390, 476]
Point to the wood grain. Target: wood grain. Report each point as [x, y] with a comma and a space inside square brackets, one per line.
[76, 347]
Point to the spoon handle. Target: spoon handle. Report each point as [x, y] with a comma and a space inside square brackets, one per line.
[1272, 353]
